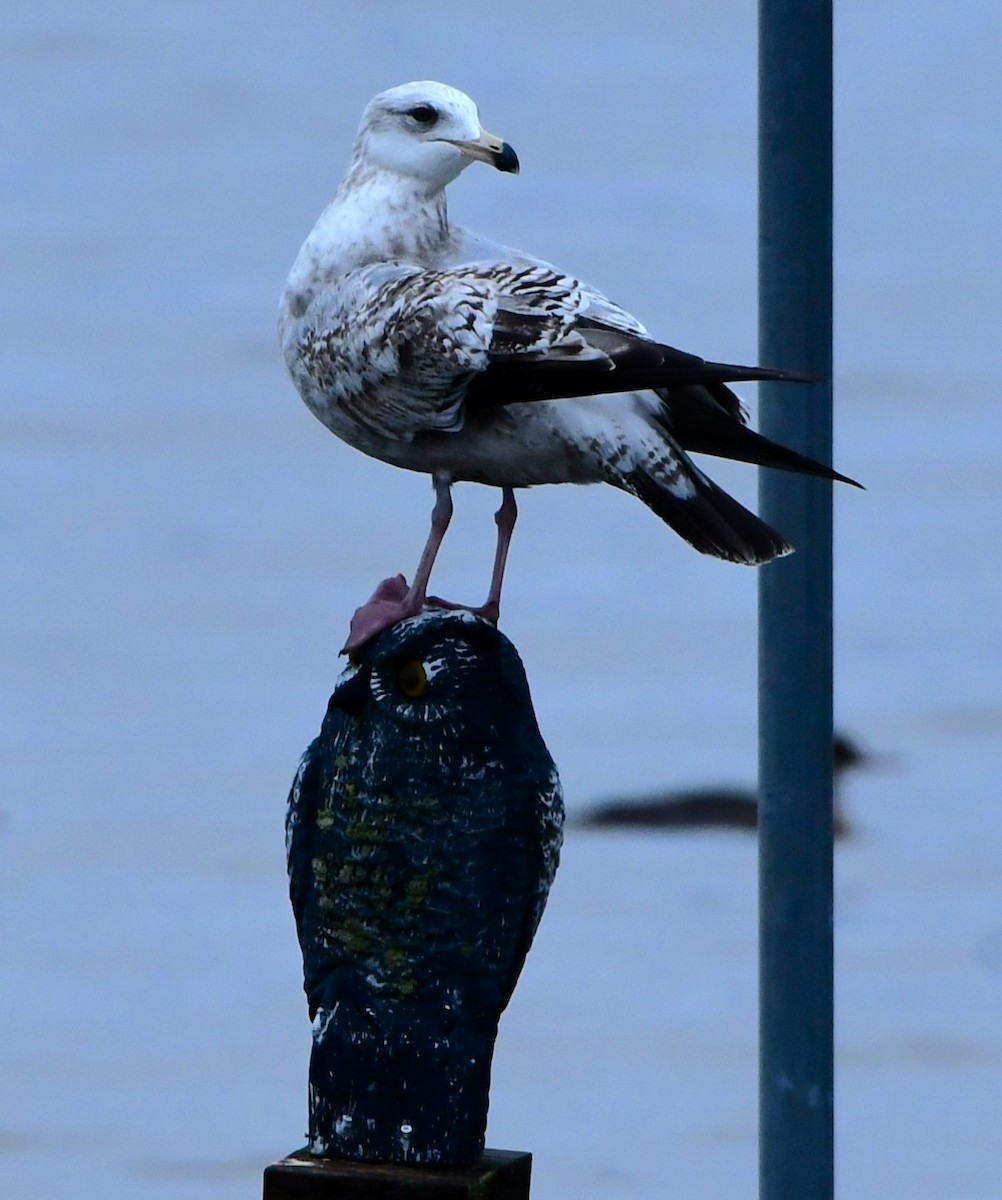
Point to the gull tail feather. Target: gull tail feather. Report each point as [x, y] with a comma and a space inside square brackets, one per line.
[710, 520]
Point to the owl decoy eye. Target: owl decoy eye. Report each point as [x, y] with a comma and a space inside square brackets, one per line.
[412, 679]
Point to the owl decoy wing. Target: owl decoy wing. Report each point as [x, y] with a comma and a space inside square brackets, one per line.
[525, 858]
[530, 905]
[311, 790]
[300, 829]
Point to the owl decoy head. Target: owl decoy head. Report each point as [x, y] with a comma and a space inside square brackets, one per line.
[428, 669]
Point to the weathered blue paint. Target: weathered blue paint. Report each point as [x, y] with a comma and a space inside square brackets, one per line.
[795, 597]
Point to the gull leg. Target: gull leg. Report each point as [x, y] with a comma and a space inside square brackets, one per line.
[393, 601]
[505, 519]
[441, 515]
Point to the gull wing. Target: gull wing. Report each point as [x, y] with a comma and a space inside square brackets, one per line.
[390, 349]
[550, 343]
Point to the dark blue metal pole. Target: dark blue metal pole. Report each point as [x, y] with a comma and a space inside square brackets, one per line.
[795, 606]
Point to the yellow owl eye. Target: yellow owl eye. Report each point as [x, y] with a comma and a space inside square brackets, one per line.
[411, 679]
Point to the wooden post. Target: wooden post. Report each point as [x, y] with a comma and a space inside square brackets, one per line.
[498, 1175]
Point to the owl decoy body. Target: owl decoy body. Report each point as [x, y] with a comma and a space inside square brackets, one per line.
[423, 833]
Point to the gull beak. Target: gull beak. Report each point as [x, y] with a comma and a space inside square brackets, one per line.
[489, 148]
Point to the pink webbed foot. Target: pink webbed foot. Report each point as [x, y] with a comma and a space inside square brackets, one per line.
[389, 603]
[394, 601]
[491, 611]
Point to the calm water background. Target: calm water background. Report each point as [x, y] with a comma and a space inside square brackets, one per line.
[182, 545]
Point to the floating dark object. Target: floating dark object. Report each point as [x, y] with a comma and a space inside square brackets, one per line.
[424, 830]
[704, 808]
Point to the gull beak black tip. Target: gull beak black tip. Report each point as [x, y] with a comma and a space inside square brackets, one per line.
[506, 159]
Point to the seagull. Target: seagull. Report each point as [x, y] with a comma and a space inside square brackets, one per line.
[435, 349]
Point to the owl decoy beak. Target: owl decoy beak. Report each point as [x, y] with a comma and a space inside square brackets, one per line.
[352, 695]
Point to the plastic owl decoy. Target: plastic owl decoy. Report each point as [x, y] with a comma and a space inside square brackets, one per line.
[423, 833]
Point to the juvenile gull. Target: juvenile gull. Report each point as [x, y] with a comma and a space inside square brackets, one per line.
[435, 349]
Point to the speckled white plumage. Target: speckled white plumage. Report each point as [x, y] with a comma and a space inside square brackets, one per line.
[383, 272]
[437, 350]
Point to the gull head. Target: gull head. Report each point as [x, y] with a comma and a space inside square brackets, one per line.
[427, 132]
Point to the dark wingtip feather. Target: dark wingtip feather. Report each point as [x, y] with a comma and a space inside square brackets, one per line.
[719, 429]
[736, 373]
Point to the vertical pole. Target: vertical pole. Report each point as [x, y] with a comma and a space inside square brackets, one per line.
[795, 607]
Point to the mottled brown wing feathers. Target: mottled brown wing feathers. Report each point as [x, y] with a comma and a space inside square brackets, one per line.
[608, 360]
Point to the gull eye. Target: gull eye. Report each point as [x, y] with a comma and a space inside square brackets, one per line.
[424, 114]
[411, 679]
